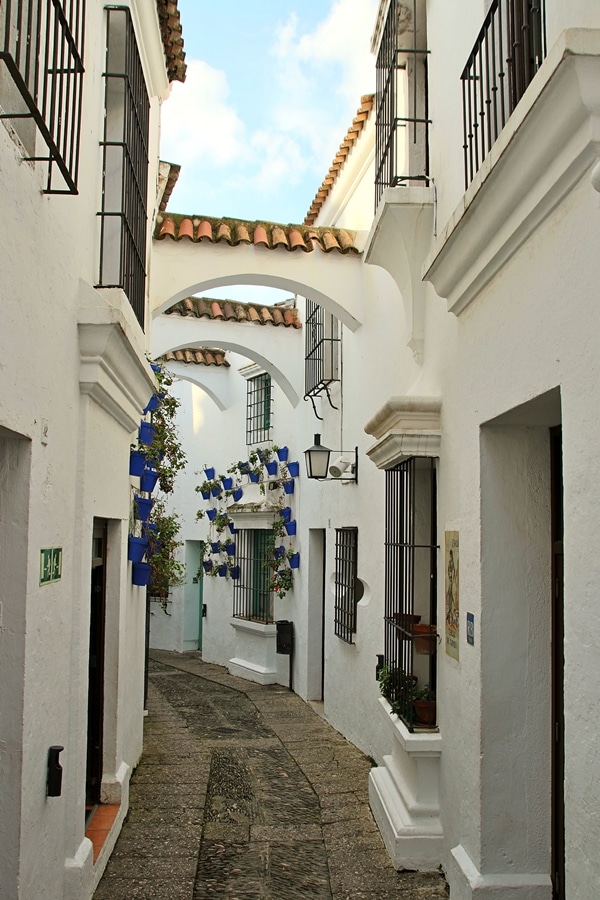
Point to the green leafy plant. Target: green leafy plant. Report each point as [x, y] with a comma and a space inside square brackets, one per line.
[165, 451]
[167, 570]
[398, 689]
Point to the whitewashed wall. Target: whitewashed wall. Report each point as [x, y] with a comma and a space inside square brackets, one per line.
[77, 472]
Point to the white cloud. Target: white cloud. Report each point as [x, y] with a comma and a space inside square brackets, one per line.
[198, 125]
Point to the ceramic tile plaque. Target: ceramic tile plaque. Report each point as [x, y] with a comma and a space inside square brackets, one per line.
[50, 565]
[452, 593]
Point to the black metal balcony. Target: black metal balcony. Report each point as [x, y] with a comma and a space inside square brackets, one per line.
[401, 130]
[41, 46]
[509, 50]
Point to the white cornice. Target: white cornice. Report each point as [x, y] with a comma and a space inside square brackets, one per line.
[113, 370]
[150, 46]
[549, 143]
[405, 426]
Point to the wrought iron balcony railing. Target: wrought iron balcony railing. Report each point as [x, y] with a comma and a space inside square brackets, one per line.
[509, 50]
[41, 46]
[402, 123]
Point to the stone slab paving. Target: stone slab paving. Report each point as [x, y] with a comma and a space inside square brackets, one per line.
[245, 792]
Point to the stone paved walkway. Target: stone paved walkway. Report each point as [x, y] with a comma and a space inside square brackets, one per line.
[243, 791]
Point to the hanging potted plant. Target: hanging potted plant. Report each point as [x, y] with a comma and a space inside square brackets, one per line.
[137, 461]
[167, 570]
[293, 559]
[136, 548]
[141, 573]
[158, 440]
[282, 452]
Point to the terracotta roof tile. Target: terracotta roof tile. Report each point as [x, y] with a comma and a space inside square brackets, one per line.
[364, 110]
[199, 356]
[171, 182]
[170, 29]
[221, 310]
[267, 234]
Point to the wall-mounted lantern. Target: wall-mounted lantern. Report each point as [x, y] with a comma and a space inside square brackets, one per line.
[345, 467]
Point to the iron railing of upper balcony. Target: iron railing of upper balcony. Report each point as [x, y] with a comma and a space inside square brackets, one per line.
[321, 352]
[509, 50]
[41, 46]
[402, 141]
[410, 582]
[124, 215]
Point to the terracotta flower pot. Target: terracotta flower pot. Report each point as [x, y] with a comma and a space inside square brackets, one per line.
[424, 639]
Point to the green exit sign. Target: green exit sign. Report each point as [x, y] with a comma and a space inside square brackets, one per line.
[50, 565]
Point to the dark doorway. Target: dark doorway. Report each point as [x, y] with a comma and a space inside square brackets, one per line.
[95, 716]
[558, 669]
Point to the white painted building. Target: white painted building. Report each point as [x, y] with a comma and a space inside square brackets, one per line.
[468, 380]
[74, 379]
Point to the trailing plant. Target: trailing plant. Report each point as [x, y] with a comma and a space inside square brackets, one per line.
[165, 452]
[167, 570]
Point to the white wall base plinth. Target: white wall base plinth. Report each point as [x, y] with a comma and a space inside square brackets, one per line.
[466, 882]
[255, 657]
[404, 796]
[413, 840]
[251, 672]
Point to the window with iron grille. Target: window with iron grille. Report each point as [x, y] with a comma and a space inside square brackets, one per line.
[346, 594]
[509, 50]
[41, 47]
[258, 409]
[402, 112]
[124, 216]
[410, 583]
[322, 342]
[252, 596]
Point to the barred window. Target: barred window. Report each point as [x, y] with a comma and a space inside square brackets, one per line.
[258, 409]
[346, 583]
[402, 120]
[124, 215]
[252, 596]
[410, 585]
[41, 81]
[321, 357]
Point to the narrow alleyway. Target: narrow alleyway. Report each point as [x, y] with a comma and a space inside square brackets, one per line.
[243, 791]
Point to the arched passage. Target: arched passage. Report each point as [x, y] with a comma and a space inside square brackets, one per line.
[183, 268]
[279, 352]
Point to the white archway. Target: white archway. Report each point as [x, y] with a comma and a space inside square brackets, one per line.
[279, 352]
[182, 268]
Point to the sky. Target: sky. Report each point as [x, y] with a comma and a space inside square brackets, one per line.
[272, 87]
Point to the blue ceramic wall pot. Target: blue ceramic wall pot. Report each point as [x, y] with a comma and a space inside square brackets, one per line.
[212, 514]
[210, 473]
[147, 432]
[271, 467]
[288, 487]
[137, 461]
[290, 527]
[143, 507]
[282, 454]
[238, 494]
[148, 480]
[136, 548]
[141, 574]
[293, 469]
[295, 561]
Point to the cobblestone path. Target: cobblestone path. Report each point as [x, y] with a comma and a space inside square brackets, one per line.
[244, 792]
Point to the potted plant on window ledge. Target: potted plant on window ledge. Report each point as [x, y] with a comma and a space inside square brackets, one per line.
[424, 704]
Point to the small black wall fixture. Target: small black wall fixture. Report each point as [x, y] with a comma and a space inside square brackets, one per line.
[54, 778]
[345, 467]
